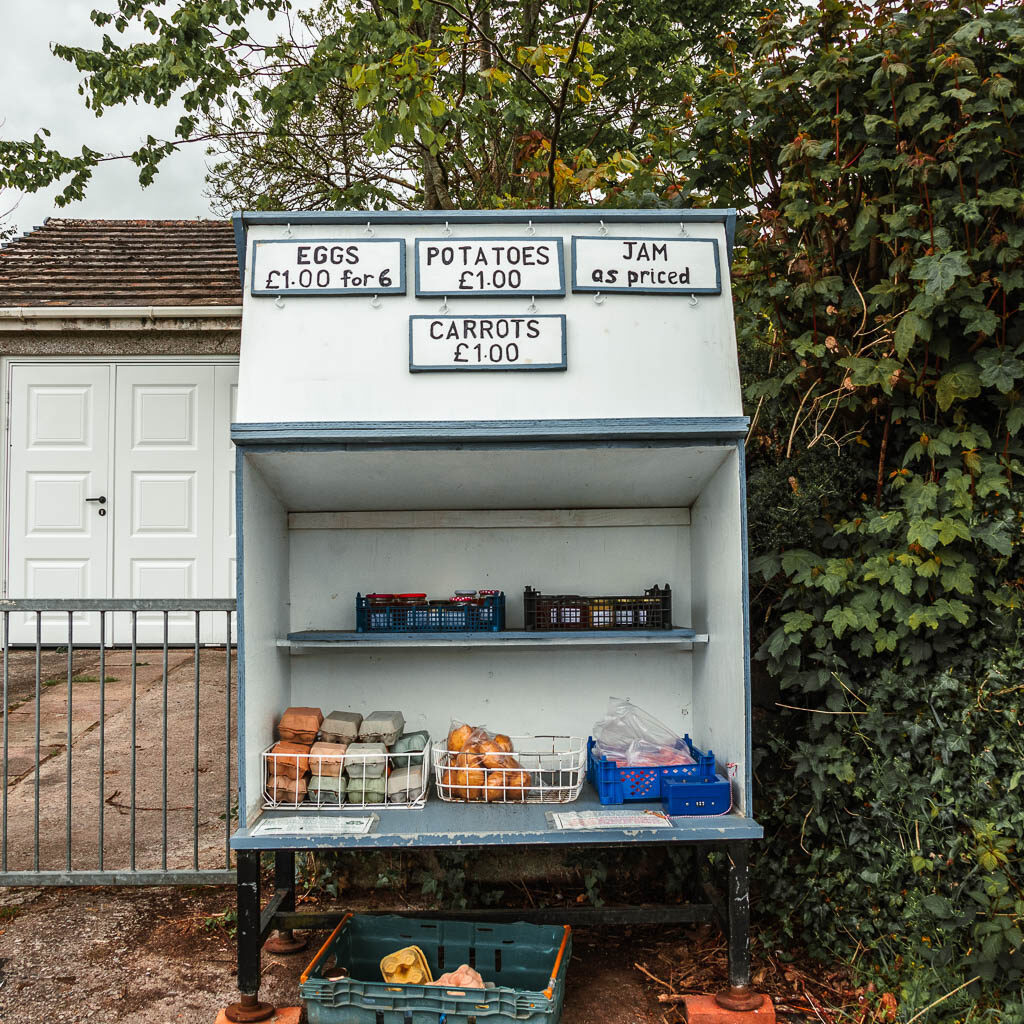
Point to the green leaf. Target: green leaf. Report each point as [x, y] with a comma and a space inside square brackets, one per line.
[959, 383]
[940, 272]
[908, 330]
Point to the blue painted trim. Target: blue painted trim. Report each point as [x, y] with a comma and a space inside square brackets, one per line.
[398, 289]
[238, 224]
[418, 829]
[470, 367]
[387, 432]
[667, 290]
[488, 637]
[730, 234]
[240, 627]
[726, 216]
[748, 781]
[504, 292]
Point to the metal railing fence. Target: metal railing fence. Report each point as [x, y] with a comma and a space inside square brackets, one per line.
[176, 707]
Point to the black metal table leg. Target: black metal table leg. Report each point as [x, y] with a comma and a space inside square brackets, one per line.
[284, 940]
[739, 995]
[249, 1009]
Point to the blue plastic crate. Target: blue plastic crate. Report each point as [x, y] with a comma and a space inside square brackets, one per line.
[696, 797]
[527, 964]
[489, 616]
[617, 785]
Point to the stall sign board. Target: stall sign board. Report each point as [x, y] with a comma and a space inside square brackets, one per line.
[497, 342]
[488, 267]
[328, 266]
[645, 266]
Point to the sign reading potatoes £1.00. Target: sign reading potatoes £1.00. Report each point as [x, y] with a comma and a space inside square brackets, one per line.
[489, 267]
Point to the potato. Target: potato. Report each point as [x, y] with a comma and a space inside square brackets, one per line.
[499, 760]
[516, 785]
[503, 742]
[469, 783]
[467, 759]
[458, 736]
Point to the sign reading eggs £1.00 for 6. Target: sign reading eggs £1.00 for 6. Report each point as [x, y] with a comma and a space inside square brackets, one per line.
[684, 266]
[496, 342]
[328, 266]
[489, 267]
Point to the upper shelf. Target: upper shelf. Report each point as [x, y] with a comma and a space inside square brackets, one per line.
[684, 639]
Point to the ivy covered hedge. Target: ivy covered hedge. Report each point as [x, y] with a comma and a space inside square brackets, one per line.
[878, 292]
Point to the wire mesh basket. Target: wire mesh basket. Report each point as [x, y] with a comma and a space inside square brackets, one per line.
[375, 781]
[650, 610]
[540, 770]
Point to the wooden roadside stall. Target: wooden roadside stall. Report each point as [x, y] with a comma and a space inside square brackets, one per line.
[497, 401]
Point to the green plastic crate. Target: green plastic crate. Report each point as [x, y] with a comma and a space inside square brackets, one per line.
[526, 962]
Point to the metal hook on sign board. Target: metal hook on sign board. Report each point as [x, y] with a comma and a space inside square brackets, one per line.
[682, 228]
[693, 301]
[288, 231]
[602, 228]
[279, 302]
[444, 306]
[369, 229]
[598, 299]
[447, 230]
[532, 307]
[376, 302]
[530, 229]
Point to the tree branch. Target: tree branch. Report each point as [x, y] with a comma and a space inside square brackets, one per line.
[560, 109]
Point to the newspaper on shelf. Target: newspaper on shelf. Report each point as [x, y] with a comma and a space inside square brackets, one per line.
[322, 825]
[586, 820]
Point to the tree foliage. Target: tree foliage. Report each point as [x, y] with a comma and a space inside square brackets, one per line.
[378, 103]
[878, 291]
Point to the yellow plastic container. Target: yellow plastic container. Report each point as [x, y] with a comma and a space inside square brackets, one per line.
[406, 967]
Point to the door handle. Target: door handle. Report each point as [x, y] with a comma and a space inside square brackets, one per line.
[102, 499]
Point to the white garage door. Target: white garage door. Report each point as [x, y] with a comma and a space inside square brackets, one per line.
[120, 484]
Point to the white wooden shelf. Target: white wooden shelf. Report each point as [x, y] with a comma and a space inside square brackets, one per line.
[683, 639]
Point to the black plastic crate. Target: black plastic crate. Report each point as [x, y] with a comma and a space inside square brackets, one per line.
[464, 617]
[651, 610]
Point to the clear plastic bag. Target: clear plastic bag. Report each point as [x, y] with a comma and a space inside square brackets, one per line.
[629, 735]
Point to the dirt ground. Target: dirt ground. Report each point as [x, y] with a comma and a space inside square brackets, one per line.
[194, 840]
[153, 955]
[143, 956]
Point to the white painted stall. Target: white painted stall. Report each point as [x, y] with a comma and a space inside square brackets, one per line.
[373, 456]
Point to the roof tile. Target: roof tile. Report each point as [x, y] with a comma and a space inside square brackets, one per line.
[76, 262]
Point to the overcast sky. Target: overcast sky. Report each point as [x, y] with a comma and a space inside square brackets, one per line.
[37, 90]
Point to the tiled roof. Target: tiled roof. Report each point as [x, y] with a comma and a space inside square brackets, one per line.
[74, 262]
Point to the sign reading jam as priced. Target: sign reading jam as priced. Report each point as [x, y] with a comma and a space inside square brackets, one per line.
[489, 266]
[499, 342]
[683, 266]
[329, 266]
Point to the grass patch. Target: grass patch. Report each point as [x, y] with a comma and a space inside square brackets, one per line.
[9, 913]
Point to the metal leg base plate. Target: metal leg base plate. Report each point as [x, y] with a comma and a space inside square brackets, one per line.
[708, 1010]
[249, 1010]
[285, 941]
[739, 999]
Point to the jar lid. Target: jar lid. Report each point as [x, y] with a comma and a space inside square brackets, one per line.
[487, 593]
[406, 597]
[465, 593]
[462, 598]
[380, 597]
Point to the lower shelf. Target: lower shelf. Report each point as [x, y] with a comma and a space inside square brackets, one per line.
[440, 824]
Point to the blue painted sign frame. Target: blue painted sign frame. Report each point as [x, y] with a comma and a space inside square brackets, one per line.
[606, 289]
[470, 367]
[396, 289]
[494, 293]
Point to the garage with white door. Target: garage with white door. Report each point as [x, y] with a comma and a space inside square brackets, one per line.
[119, 345]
